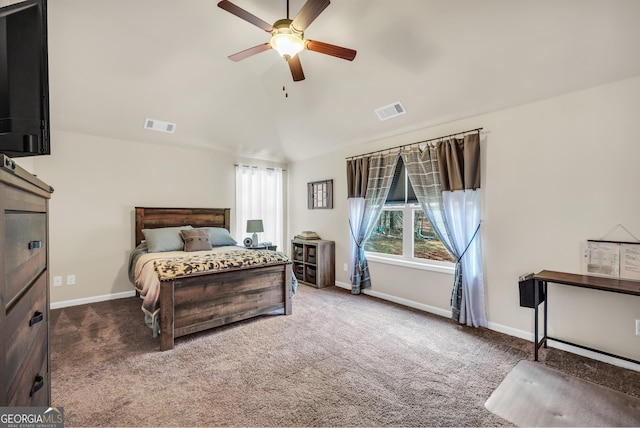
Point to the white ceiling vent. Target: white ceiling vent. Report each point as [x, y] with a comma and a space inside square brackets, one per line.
[392, 110]
[159, 125]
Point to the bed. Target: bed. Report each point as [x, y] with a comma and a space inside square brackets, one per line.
[201, 298]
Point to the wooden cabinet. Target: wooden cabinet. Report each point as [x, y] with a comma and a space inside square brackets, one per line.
[314, 262]
[24, 288]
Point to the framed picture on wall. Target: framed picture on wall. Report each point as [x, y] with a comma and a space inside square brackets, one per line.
[320, 195]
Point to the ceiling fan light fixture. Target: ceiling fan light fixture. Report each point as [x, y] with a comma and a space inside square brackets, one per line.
[287, 45]
[285, 40]
[287, 36]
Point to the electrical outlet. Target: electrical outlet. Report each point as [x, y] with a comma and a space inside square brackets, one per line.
[71, 279]
[346, 267]
[57, 281]
[637, 327]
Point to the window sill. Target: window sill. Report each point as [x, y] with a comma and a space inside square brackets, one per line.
[442, 267]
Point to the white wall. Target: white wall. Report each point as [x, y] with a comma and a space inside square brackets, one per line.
[555, 173]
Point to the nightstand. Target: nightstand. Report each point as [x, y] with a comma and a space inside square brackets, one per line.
[264, 247]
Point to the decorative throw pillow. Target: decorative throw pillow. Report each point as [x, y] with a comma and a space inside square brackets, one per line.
[196, 239]
[219, 236]
[164, 239]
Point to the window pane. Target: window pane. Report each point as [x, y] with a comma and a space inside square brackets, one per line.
[387, 236]
[426, 244]
[399, 185]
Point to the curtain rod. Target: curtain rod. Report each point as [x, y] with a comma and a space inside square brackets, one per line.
[413, 144]
[272, 168]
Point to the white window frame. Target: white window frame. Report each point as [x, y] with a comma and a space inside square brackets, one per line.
[407, 259]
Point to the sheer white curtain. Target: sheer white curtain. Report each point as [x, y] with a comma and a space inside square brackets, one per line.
[463, 215]
[446, 179]
[459, 165]
[356, 213]
[364, 213]
[259, 197]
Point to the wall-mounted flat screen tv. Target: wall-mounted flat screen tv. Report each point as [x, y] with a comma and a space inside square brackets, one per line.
[24, 79]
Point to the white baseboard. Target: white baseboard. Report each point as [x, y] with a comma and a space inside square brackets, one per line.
[94, 299]
[522, 334]
[400, 301]
[343, 285]
[594, 355]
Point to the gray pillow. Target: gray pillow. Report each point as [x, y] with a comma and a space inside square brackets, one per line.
[219, 236]
[164, 239]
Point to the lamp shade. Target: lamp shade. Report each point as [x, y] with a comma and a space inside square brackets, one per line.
[254, 226]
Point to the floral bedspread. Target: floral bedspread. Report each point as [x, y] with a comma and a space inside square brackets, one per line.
[205, 262]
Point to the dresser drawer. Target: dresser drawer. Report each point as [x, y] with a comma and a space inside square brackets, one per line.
[24, 324]
[32, 384]
[25, 249]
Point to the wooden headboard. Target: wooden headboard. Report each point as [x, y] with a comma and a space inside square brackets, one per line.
[152, 218]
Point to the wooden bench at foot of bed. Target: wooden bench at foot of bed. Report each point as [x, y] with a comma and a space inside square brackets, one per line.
[196, 303]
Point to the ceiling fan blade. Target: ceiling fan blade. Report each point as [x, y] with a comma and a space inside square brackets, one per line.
[296, 68]
[333, 50]
[243, 14]
[249, 52]
[308, 13]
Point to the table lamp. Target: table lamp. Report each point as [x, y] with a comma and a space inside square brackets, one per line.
[254, 226]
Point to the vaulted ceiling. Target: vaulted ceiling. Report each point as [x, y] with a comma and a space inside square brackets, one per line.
[114, 63]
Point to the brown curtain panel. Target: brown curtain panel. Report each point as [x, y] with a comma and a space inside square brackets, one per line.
[357, 177]
[459, 160]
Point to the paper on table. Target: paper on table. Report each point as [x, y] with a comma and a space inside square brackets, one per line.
[602, 258]
[630, 261]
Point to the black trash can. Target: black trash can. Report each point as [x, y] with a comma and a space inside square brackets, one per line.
[527, 293]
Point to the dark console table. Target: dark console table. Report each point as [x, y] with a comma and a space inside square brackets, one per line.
[541, 279]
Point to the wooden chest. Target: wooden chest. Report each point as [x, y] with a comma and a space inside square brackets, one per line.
[24, 288]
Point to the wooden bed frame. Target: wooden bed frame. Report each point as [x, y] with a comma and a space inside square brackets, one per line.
[201, 302]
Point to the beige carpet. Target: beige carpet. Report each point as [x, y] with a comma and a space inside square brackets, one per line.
[339, 360]
[535, 395]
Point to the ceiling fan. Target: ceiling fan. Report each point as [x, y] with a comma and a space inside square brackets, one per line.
[287, 36]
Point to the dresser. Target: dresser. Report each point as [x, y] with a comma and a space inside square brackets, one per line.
[314, 262]
[24, 287]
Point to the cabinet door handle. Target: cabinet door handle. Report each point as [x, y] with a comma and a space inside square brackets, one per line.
[37, 317]
[35, 244]
[37, 384]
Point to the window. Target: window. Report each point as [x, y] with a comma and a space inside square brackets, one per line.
[403, 231]
[259, 195]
